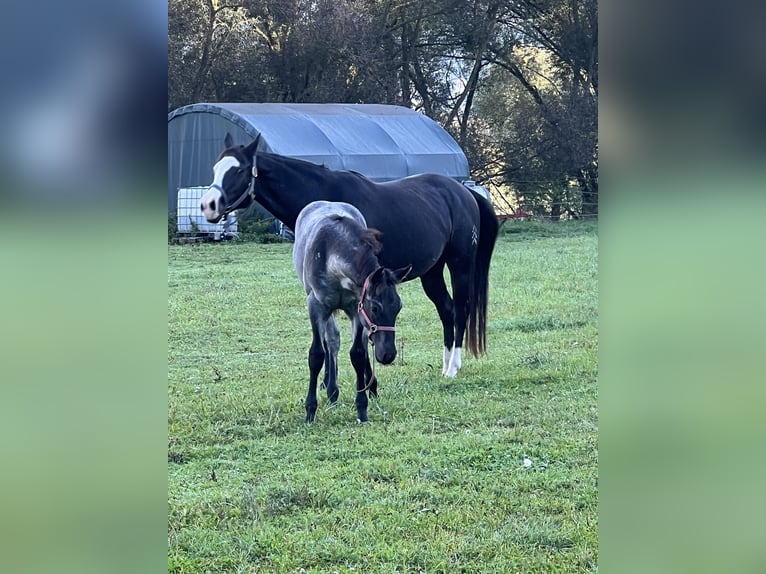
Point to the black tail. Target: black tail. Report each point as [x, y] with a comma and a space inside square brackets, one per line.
[476, 328]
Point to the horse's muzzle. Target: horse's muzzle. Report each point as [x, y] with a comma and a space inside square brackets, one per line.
[210, 204]
[385, 357]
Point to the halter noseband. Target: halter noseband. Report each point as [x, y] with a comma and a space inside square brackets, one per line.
[371, 327]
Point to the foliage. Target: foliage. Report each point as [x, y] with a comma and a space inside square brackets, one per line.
[515, 81]
[257, 230]
[494, 471]
[172, 225]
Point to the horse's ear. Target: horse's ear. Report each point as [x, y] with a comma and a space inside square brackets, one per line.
[227, 141]
[401, 274]
[252, 146]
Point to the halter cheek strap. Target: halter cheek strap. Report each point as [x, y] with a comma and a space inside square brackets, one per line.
[249, 190]
[371, 327]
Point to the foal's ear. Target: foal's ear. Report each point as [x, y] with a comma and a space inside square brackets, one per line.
[227, 141]
[252, 146]
[401, 274]
[377, 275]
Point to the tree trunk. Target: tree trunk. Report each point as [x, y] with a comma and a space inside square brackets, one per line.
[204, 63]
[404, 70]
[589, 188]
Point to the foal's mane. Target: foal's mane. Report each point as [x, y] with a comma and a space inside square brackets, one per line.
[369, 237]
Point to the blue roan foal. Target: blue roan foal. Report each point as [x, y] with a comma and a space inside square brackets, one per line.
[335, 257]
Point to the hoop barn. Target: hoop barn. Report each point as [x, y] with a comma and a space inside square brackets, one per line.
[383, 142]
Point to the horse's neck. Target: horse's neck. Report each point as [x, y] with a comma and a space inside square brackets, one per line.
[289, 185]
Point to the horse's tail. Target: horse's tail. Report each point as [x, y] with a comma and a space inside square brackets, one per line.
[476, 328]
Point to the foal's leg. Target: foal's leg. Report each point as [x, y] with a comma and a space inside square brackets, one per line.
[331, 348]
[372, 386]
[316, 355]
[360, 361]
[330, 367]
[436, 291]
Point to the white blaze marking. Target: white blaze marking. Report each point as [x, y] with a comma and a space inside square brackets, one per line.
[219, 171]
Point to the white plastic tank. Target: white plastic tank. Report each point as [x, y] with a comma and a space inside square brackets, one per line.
[190, 218]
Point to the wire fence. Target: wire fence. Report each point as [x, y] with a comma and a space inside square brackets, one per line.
[545, 204]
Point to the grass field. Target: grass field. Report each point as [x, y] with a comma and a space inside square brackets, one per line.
[494, 471]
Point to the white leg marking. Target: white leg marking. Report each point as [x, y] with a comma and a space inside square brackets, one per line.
[445, 363]
[455, 362]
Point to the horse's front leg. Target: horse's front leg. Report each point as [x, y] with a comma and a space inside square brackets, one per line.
[360, 361]
[372, 385]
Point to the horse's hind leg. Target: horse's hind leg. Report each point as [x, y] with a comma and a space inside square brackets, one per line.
[460, 278]
[328, 368]
[331, 348]
[436, 291]
[316, 356]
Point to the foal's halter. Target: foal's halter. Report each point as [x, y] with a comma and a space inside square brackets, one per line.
[249, 191]
[371, 327]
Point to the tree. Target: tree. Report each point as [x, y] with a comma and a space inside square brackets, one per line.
[514, 81]
[202, 36]
[540, 99]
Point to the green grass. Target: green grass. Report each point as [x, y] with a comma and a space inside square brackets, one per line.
[437, 481]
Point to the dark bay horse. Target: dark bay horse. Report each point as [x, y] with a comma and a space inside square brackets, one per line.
[335, 258]
[426, 220]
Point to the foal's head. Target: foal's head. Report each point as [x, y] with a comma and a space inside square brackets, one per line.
[232, 175]
[379, 307]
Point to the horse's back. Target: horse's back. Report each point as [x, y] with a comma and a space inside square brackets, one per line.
[314, 219]
[420, 217]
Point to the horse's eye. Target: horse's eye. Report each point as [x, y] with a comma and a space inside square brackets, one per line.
[375, 308]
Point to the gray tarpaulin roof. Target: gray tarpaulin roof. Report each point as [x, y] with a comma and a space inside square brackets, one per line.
[380, 141]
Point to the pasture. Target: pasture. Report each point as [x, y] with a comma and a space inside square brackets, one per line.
[493, 471]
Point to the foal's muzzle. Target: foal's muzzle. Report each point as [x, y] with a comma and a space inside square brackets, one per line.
[385, 349]
[387, 357]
